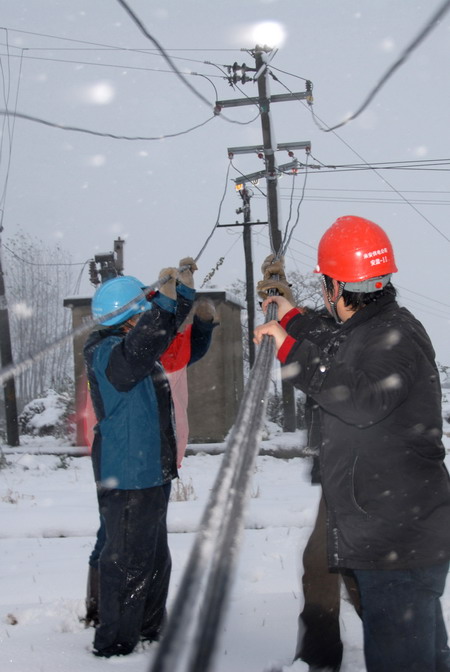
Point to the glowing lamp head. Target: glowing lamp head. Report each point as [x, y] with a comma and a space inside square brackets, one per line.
[269, 33]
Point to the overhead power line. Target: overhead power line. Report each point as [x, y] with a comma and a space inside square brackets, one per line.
[33, 263]
[288, 234]
[374, 169]
[10, 134]
[377, 191]
[412, 163]
[121, 66]
[368, 199]
[77, 129]
[165, 55]
[218, 215]
[429, 26]
[172, 65]
[111, 47]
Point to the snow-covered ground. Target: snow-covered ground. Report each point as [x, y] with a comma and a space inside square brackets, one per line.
[49, 517]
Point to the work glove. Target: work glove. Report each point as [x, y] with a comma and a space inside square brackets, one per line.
[169, 277]
[205, 310]
[270, 267]
[186, 276]
[281, 286]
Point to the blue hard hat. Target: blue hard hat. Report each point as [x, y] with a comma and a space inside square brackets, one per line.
[122, 292]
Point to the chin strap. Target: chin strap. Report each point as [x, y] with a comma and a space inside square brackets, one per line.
[333, 302]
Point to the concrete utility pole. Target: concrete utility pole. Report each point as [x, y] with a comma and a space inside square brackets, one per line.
[9, 387]
[249, 282]
[269, 148]
[267, 151]
[246, 195]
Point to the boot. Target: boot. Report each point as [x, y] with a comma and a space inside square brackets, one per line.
[92, 592]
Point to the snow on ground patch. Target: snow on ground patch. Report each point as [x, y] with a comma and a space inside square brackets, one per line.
[48, 521]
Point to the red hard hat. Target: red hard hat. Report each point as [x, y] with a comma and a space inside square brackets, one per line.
[355, 249]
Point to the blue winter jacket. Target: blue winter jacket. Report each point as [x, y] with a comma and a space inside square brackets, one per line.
[134, 445]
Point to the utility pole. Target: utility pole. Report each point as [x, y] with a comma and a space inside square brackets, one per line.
[288, 395]
[246, 195]
[9, 387]
[267, 151]
[269, 148]
[249, 282]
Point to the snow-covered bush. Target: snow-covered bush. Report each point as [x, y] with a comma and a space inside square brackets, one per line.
[48, 415]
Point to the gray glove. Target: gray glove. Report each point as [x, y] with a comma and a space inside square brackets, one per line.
[281, 286]
[205, 310]
[169, 277]
[186, 276]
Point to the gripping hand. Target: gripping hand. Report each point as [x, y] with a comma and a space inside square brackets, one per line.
[205, 310]
[186, 276]
[169, 277]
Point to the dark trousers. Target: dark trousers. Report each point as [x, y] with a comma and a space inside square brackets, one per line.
[404, 630]
[319, 641]
[134, 568]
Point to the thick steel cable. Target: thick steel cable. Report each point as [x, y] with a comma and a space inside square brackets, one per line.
[220, 578]
[191, 633]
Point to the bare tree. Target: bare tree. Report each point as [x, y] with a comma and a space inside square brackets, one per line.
[38, 277]
[307, 289]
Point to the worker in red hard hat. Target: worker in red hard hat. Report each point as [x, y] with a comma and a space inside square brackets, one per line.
[386, 495]
[358, 256]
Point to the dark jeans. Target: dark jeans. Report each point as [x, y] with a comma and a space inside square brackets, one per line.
[101, 533]
[404, 630]
[319, 641]
[134, 568]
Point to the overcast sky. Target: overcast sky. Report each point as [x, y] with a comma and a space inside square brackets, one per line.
[86, 64]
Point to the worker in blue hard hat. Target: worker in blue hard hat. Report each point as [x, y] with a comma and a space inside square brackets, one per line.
[134, 450]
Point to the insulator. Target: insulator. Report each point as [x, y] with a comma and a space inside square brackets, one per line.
[93, 273]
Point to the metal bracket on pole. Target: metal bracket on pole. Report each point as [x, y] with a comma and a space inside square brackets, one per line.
[281, 146]
[277, 98]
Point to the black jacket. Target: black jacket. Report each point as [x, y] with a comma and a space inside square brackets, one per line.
[381, 457]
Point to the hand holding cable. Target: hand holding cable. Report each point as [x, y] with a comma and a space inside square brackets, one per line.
[186, 271]
[167, 282]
